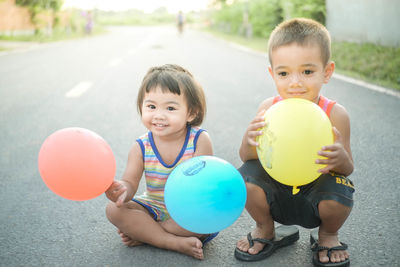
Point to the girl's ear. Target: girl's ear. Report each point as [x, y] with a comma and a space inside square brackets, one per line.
[191, 117]
[329, 68]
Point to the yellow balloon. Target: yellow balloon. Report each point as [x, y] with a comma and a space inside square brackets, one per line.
[296, 129]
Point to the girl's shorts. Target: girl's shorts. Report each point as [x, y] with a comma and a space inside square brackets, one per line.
[301, 208]
[157, 210]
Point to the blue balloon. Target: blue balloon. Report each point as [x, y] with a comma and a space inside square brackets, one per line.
[205, 194]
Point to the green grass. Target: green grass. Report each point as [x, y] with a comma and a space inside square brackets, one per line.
[57, 35]
[376, 64]
[372, 63]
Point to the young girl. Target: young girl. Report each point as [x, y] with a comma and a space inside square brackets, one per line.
[172, 106]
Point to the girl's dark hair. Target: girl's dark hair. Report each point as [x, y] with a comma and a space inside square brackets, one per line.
[177, 80]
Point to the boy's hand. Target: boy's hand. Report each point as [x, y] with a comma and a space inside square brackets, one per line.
[335, 154]
[254, 129]
[117, 193]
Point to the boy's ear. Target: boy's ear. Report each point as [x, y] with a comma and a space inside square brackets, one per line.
[329, 68]
[270, 71]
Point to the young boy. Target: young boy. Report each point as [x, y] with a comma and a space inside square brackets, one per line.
[299, 55]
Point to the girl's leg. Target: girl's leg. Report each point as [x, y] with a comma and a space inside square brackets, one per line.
[127, 240]
[172, 227]
[333, 214]
[258, 208]
[137, 224]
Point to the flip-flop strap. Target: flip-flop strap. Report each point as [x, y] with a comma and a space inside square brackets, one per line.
[260, 240]
[342, 247]
[316, 247]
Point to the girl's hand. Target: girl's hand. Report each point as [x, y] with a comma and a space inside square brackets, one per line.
[254, 129]
[336, 155]
[117, 193]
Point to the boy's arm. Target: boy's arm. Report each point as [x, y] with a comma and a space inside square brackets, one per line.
[124, 190]
[204, 145]
[247, 149]
[339, 157]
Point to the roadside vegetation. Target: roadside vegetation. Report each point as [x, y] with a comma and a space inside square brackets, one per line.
[49, 23]
[249, 23]
[53, 24]
[372, 63]
[57, 34]
[369, 62]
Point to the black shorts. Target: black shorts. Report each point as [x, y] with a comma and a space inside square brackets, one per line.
[301, 208]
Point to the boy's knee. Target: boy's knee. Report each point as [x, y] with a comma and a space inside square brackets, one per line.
[332, 207]
[255, 194]
[251, 188]
[332, 214]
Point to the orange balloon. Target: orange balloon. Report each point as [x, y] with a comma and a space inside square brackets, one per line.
[76, 164]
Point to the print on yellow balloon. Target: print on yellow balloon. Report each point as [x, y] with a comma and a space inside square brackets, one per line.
[267, 146]
[296, 129]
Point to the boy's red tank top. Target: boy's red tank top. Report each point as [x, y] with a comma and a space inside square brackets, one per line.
[323, 102]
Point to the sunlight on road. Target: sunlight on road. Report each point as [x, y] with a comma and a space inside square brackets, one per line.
[115, 62]
[79, 89]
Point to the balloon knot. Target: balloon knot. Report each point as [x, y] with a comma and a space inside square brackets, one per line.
[295, 190]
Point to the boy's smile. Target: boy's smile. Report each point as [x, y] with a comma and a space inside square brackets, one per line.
[298, 71]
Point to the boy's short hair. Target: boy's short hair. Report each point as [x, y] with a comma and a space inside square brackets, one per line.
[303, 32]
[177, 80]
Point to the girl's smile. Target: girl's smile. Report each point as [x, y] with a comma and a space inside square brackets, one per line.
[165, 113]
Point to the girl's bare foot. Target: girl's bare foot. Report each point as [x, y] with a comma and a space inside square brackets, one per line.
[190, 246]
[128, 241]
[243, 244]
[331, 240]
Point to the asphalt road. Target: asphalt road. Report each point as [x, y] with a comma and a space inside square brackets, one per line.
[39, 228]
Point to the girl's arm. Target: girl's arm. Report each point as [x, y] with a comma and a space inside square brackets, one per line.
[124, 190]
[247, 149]
[339, 157]
[204, 145]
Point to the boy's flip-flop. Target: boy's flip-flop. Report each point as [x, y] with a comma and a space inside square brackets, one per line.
[316, 248]
[209, 238]
[284, 236]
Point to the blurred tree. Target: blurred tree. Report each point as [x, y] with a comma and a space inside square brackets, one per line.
[36, 6]
[261, 16]
[314, 9]
[215, 2]
[42, 4]
[264, 16]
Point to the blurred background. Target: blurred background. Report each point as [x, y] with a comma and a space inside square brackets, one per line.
[366, 38]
